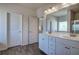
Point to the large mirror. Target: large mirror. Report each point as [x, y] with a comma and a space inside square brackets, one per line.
[64, 20]
[57, 22]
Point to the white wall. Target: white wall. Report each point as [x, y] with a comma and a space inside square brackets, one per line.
[20, 10]
[3, 31]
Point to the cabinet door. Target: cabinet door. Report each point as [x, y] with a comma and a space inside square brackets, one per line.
[74, 47]
[51, 45]
[61, 48]
[43, 43]
[14, 29]
[74, 51]
[41, 38]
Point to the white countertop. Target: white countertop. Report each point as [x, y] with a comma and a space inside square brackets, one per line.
[64, 35]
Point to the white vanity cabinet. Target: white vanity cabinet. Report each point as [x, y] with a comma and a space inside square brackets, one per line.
[51, 45]
[58, 46]
[62, 47]
[43, 43]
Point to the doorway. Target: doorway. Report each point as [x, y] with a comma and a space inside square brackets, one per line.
[14, 25]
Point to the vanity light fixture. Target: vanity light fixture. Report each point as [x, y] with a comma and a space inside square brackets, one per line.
[53, 9]
[49, 10]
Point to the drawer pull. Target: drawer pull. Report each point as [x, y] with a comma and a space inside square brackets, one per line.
[67, 48]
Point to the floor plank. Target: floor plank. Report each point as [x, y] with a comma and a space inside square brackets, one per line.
[31, 49]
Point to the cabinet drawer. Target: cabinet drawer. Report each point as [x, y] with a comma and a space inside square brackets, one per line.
[51, 41]
[51, 52]
[51, 48]
[59, 40]
[63, 41]
[52, 45]
[51, 38]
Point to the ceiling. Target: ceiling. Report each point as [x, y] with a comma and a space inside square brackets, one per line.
[36, 5]
[31, 5]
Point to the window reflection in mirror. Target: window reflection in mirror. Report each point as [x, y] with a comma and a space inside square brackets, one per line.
[62, 23]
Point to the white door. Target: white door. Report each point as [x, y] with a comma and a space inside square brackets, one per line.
[33, 29]
[15, 29]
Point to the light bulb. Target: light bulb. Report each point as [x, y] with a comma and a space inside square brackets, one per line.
[53, 8]
[49, 10]
[45, 11]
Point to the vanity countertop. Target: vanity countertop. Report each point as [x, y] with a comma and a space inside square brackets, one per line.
[68, 36]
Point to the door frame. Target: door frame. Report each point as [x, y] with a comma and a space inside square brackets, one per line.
[8, 35]
[29, 29]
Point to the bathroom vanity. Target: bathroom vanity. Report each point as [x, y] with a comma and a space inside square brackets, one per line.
[59, 43]
[58, 36]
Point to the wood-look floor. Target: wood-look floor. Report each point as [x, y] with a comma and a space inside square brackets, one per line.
[23, 50]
